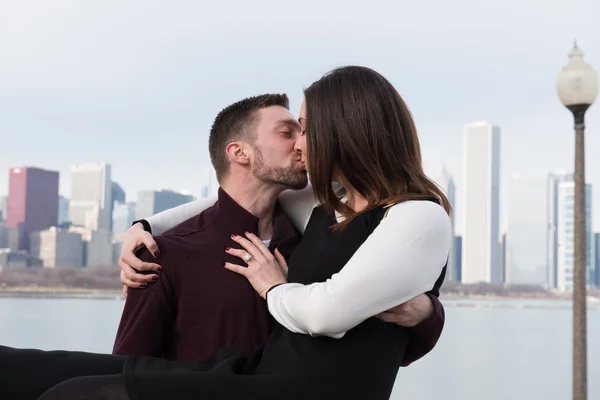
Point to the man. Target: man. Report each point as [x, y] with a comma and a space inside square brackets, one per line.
[196, 306]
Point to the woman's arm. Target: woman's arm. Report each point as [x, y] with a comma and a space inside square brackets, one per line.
[401, 259]
[165, 220]
[297, 204]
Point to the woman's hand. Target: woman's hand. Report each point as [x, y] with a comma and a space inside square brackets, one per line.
[264, 270]
[135, 238]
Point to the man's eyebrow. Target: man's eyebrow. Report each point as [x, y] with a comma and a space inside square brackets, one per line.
[289, 121]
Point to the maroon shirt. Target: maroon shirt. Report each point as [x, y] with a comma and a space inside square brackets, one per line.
[198, 307]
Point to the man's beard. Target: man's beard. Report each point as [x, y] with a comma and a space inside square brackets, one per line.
[292, 177]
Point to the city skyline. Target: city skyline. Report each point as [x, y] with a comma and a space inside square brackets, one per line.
[45, 229]
[519, 261]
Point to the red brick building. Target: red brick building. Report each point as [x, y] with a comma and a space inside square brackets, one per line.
[32, 201]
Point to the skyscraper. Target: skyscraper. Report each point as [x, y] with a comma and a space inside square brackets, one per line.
[118, 194]
[91, 197]
[446, 182]
[458, 257]
[63, 210]
[123, 217]
[3, 207]
[99, 248]
[151, 202]
[527, 228]
[552, 226]
[57, 247]
[32, 201]
[561, 225]
[4, 235]
[481, 228]
[502, 252]
[597, 258]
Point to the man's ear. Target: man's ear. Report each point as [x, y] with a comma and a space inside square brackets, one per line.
[238, 152]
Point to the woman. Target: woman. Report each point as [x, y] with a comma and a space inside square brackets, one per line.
[384, 243]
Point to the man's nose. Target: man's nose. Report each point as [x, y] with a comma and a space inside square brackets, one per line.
[298, 145]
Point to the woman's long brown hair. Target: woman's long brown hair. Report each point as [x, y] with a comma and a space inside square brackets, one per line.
[359, 130]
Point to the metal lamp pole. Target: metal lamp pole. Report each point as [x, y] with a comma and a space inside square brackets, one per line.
[577, 87]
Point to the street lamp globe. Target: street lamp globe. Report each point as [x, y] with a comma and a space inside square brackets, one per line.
[577, 82]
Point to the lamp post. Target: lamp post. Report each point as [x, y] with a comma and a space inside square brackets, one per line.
[577, 87]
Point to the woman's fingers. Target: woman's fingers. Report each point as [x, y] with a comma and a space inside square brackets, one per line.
[150, 243]
[130, 274]
[281, 260]
[262, 272]
[130, 259]
[248, 246]
[260, 245]
[237, 269]
[131, 283]
[239, 253]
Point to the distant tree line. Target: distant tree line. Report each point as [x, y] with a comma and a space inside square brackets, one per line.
[495, 289]
[104, 277]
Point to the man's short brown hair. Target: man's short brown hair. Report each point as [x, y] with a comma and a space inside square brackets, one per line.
[237, 122]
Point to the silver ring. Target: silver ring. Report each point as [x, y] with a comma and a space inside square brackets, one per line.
[247, 257]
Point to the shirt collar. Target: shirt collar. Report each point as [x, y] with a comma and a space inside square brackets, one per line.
[231, 218]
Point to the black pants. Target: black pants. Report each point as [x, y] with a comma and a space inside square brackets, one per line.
[27, 374]
[68, 375]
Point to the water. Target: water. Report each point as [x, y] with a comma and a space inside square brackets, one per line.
[493, 350]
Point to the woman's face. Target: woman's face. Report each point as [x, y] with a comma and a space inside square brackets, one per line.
[301, 143]
[302, 139]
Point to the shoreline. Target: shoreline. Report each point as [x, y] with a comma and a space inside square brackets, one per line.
[50, 289]
[74, 292]
[38, 292]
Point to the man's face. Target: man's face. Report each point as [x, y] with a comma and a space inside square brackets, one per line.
[277, 156]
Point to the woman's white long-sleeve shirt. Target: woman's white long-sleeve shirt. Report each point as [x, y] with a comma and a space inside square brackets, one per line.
[402, 258]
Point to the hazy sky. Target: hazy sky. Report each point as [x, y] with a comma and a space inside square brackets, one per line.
[138, 83]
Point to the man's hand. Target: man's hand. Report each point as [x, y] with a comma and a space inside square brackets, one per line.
[411, 313]
[135, 238]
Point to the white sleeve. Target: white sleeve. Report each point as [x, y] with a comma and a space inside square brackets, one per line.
[298, 204]
[165, 220]
[402, 258]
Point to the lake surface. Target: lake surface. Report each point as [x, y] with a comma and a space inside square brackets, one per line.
[493, 350]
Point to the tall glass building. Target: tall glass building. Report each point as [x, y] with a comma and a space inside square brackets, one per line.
[561, 227]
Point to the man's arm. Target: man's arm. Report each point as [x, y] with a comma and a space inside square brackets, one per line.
[148, 316]
[425, 335]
